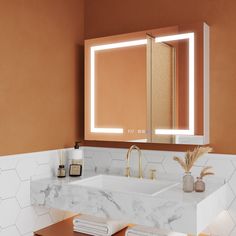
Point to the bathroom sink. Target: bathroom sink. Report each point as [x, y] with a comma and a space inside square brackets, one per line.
[126, 184]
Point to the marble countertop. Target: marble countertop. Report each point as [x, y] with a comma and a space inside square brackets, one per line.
[174, 193]
[172, 209]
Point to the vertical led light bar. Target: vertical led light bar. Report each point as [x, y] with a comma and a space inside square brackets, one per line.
[190, 37]
[93, 50]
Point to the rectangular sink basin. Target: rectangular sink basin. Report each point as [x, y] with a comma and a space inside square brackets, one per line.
[126, 184]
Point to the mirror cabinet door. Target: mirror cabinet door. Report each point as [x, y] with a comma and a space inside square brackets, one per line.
[148, 86]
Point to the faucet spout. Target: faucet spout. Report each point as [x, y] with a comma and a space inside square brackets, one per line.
[134, 147]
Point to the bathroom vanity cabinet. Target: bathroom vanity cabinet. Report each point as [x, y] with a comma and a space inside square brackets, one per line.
[65, 228]
[119, 201]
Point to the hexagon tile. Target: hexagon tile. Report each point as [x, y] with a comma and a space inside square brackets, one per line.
[9, 183]
[19, 218]
[26, 168]
[9, 210]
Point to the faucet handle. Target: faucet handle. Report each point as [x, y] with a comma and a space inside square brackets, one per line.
[127, 171]
[153, 174]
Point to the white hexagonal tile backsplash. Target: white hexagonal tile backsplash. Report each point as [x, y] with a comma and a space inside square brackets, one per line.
[9, 183]
[26, 168]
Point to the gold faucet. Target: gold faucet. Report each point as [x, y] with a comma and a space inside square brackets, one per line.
[128, 161]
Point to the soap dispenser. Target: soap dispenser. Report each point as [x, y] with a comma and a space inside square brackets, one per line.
[76, 166]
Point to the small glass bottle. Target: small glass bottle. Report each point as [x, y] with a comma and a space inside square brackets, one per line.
[76, 166]
[61, 171]
[199, 185]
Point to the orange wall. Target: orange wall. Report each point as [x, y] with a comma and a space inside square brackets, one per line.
[106, 17]
[41, 74]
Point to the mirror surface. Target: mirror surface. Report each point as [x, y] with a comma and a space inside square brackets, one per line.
[120, 91]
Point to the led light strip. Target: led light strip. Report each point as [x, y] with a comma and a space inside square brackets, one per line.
[93, 49]
[190, 37]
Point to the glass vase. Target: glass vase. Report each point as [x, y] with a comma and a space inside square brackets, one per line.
[188, 182]
[199, 185]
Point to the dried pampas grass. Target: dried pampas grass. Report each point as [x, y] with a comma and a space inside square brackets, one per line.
[205, 172]
[192, 157]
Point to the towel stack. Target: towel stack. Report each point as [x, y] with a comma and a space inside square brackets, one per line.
[97, 226]
[148, 231]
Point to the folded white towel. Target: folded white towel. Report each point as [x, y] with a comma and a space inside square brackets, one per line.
[139, 230]
[97, 226]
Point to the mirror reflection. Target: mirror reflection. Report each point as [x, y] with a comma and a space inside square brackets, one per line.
[169, 89]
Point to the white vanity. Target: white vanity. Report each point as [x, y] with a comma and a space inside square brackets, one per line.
[157, 203]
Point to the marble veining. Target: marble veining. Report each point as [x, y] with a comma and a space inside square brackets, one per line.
[171, 209]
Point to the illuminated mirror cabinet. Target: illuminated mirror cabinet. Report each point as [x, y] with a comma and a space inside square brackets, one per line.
[149, 86]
